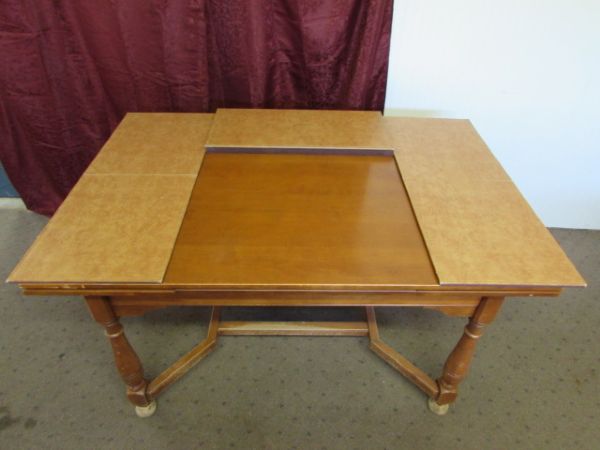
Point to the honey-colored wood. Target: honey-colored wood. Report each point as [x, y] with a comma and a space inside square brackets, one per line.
[287, 219]
[155, 143]
[457, 364]
[335, 292]
[189, 360]
[120, 221]
[336, 222]
[453, 305]
[111, 228]
[296, 129]
[396, 360]
[478, 228]
[127, 362]
[300, 299]
[372, 323]
[468, 208]
[293, 329]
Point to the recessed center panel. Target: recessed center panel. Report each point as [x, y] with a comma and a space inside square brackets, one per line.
[303, 218]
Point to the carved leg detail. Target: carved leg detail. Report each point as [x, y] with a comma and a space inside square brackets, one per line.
[457, 364]
[127, 362]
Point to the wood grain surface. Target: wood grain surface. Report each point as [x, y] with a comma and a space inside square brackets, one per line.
[299, 220]
[307, 220]
[478, 228]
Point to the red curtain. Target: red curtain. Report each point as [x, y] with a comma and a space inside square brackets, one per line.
[70, 70]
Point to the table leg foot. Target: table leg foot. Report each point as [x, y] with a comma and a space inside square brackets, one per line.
[146, 411]
[127, 361]
[457, 364]
[440, 410]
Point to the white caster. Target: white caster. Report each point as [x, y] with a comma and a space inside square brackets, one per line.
[146, 411]
[440, 410]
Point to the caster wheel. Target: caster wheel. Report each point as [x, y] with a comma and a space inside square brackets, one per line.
[146, 411]
[440, 410]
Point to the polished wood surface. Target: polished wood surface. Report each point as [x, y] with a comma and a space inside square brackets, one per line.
[294, 220]
[478, 230]
[338, 225]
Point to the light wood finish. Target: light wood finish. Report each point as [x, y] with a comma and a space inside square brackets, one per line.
[293, 329]
[129, 310]
[457, 364]
[295, 230]
[289, 220]
[111, 228]
[189, 360]
[396, 360]
[216, 328]
[141, 393]
[296, 129]
[120, 221]
[478, 228]
[320, 292]
[155, 143]
[274, 299]
[127, 362]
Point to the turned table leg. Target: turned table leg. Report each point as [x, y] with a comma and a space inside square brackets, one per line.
[457, 364]
[127, 362]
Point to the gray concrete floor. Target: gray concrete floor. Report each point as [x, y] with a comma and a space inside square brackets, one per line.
[533, 384]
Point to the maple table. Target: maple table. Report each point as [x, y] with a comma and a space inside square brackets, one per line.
[289, 208]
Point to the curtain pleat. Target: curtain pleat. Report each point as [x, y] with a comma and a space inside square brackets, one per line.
[69, 71]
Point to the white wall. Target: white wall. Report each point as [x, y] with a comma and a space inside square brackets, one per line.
[527, 74]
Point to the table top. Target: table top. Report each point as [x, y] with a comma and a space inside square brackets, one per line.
[284, 199]
[299, 219]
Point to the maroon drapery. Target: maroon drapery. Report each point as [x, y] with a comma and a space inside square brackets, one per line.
[70, 70]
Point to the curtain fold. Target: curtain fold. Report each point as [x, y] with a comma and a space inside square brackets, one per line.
[69, 71]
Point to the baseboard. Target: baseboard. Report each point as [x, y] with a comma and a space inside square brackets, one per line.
[11, 203]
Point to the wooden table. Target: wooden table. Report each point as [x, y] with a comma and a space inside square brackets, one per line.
[293, 209]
